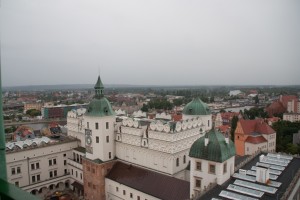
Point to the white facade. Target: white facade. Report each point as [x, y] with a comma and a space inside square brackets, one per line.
[204, 173]
[102, 139]
[219, 121]
[166, 152]
[76, 125]
[40, 168]
[271, 144]
[292, 117]
[117, 191]
[206, 120]
[251, 149]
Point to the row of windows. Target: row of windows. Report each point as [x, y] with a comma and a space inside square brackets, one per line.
[131, 195]
[77, 157]
[35, 178]
[16, 170]
[52, 173]
[35, 166]
[52, 162]
[177, 160]
[97, 139]
[211, 168]
[76, 174]
[97, 125]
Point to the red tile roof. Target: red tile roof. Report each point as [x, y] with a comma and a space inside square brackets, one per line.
[149, 182]
[256, 140]
[257, 125]
[224, 128]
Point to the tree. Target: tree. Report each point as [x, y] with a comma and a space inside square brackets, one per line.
[222, 110]
[177, 102]
[234, 122]
[145, 108]
[33, 112]
[256, 100]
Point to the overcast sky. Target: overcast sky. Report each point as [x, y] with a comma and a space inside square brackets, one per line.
[156, 42]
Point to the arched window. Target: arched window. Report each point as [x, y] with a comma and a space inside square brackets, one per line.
[184, 159]
[177, 162]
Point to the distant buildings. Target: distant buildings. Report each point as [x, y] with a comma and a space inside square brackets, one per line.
[29, 106]
[252, 136]
[59, 111]
[285, 103]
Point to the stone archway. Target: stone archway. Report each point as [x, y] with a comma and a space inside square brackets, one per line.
[34, 192]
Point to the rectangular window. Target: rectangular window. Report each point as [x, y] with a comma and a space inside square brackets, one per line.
[212, 169]
[50, 162]
[74, 156]
[81, 176]
[198, 166]
[17, 183]
[138, 198]
[124, 192]
[65, 155]
[225, 168]
[76, 174]
[87, 125]
[72, 171]
[107, 125]
[96, 126]
[198, 183]
[32, 166]
[117, 189]
[55, 173]
[13, 171]
[18, 170]
[33, 179]
[38, 177]
[51, 174]
[131, 196]
[109, 155]
[97, 139]
[66, 171]
[54, 161]
[65, 162]
[107, 139]
[37, 165]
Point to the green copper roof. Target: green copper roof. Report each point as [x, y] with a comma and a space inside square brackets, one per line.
[100, 108]
[196, 107]
[217, 149]
[99, 83]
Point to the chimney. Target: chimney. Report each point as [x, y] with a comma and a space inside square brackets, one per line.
[262, 175]
[226, 137]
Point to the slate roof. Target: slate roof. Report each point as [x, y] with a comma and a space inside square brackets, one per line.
[217, 149]
[149, 182]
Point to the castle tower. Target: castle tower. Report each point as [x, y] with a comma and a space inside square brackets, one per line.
[99, 133]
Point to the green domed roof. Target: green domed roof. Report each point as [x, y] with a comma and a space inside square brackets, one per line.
[196, 107]
[99, 107]
[217, 149]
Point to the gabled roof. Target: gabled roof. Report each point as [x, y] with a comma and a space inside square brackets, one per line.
[257, 125]
[256, 140]
[149, 182]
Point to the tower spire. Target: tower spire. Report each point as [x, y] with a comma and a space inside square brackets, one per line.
[99, 88]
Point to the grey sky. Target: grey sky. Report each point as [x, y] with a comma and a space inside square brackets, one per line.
[186, 42]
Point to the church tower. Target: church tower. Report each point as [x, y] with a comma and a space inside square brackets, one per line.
[99, 133]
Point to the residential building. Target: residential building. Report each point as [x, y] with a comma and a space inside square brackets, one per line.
[292, 117]
[252, 136]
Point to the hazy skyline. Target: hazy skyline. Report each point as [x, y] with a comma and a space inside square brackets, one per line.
[157, 42]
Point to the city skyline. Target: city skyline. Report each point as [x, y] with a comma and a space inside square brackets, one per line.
[150, 43]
